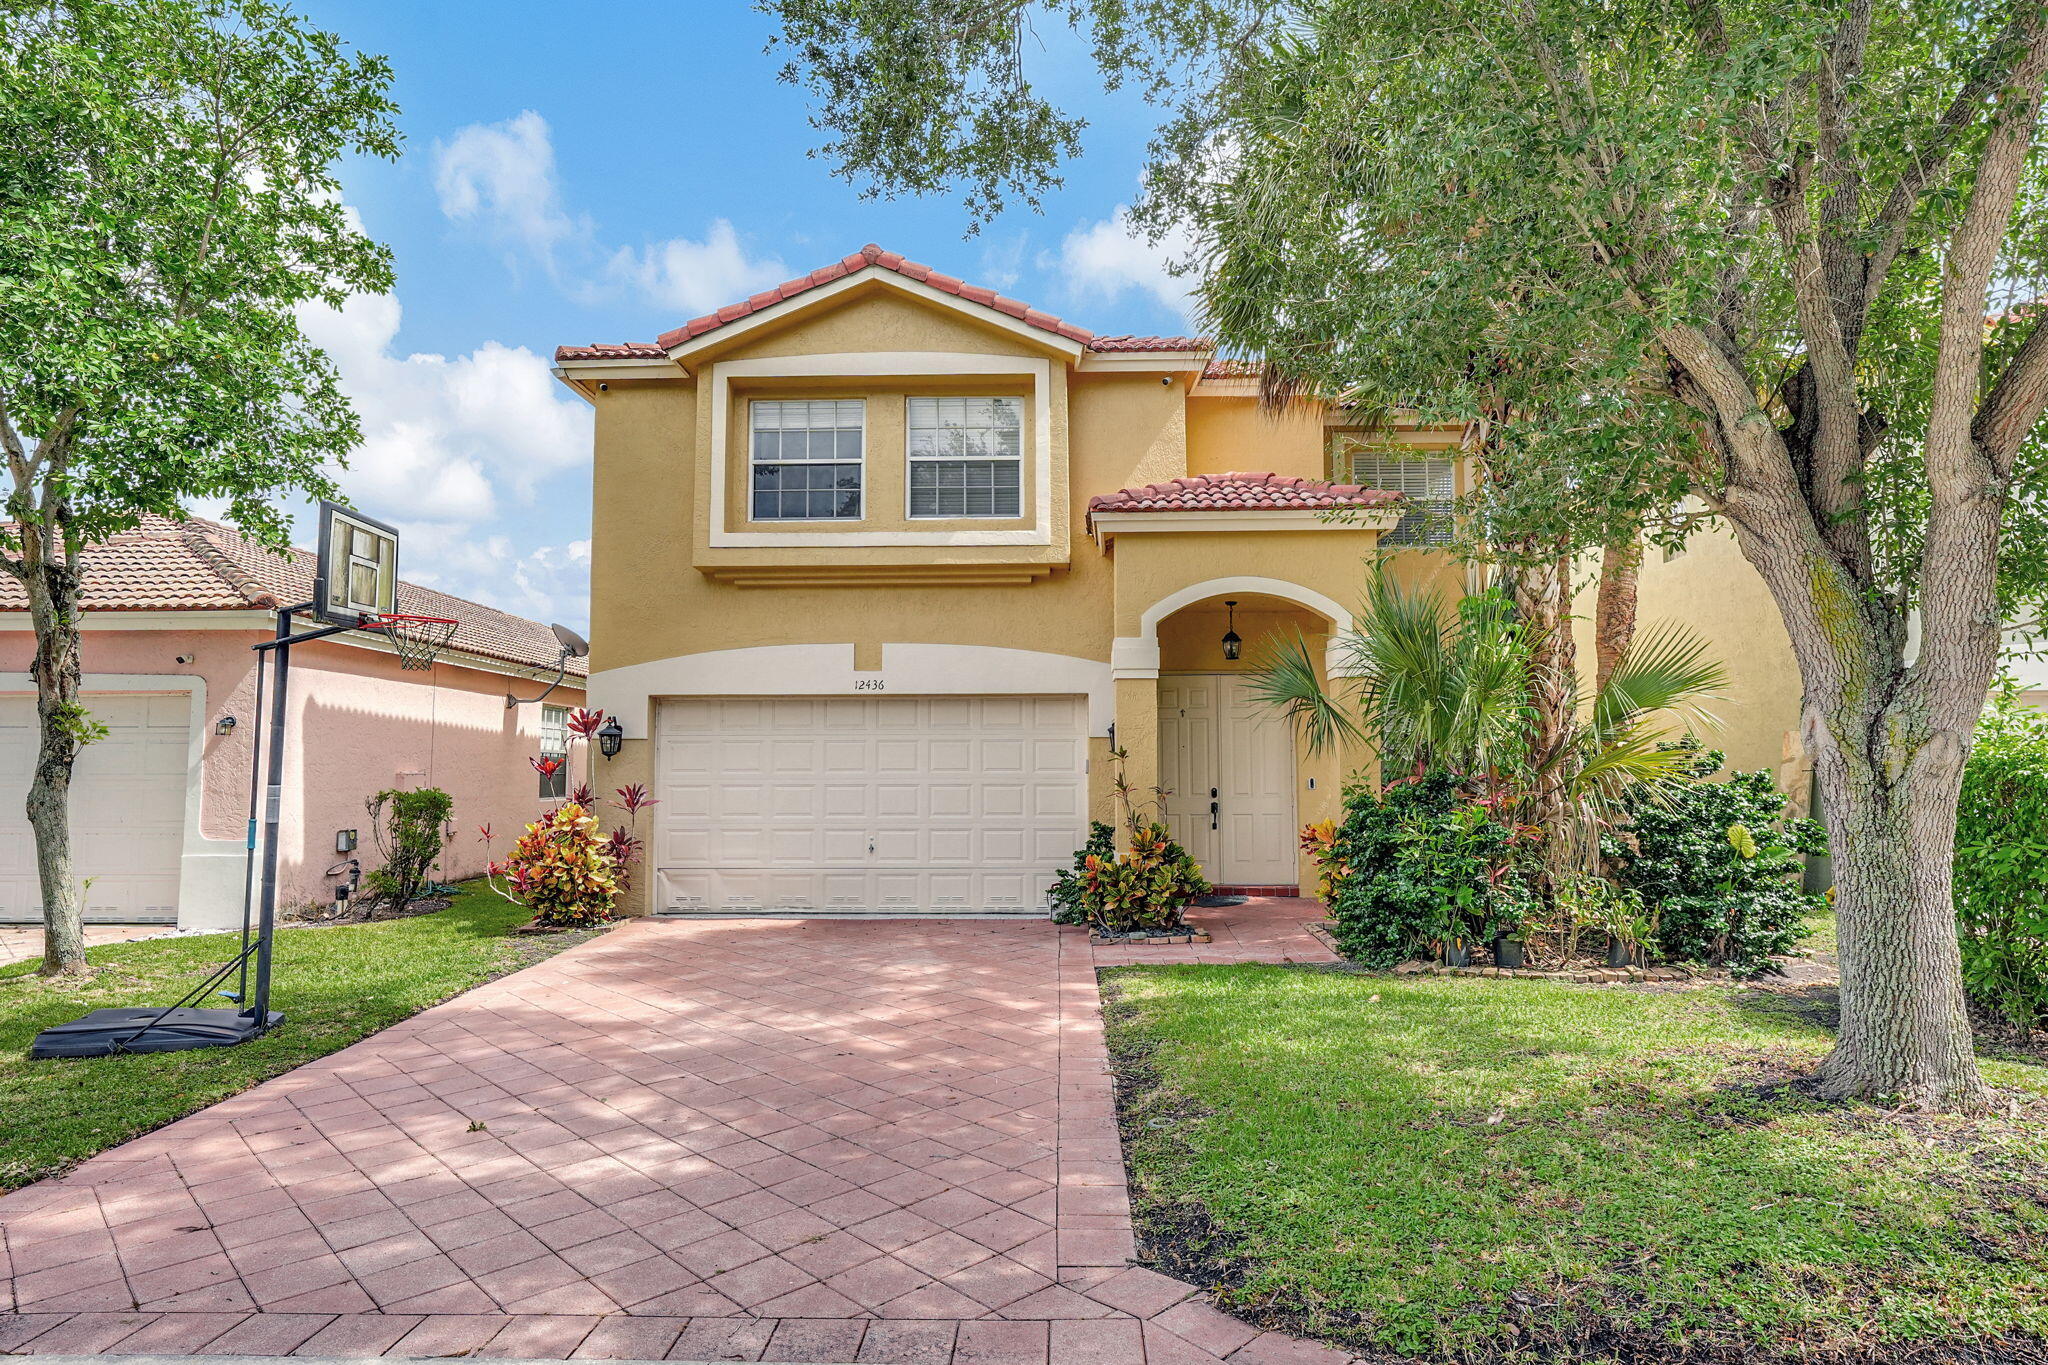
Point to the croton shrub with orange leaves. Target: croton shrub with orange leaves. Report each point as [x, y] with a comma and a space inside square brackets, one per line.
[563, 869]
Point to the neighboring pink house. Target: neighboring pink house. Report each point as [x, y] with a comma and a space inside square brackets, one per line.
[160, 807]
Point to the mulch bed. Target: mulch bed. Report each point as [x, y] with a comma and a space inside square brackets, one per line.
[367, 912]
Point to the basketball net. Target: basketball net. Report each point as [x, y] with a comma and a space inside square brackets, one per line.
[418, 640]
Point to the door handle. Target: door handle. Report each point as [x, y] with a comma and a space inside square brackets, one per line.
[1215, 809]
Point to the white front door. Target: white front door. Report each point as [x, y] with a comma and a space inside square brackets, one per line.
[856, 805]
[1227, 763]
[127, 808]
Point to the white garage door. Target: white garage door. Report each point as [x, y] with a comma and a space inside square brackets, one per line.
[127, 808]
[852, 805]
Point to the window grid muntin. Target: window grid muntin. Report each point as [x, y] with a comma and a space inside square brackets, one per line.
[806, 458]
[1430, 485]
[966, 457]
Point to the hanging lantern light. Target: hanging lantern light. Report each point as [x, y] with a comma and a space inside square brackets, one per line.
[1232, 644]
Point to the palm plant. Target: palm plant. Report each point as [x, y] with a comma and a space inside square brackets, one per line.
[1433, 687]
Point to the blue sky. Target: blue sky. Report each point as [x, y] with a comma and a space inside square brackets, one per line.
[575, 175]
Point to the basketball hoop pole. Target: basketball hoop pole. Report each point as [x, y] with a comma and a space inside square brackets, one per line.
[258, 1008]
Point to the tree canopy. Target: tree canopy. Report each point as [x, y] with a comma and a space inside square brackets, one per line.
[167, 202]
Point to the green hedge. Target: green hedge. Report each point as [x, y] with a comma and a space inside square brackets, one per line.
[2001, 878]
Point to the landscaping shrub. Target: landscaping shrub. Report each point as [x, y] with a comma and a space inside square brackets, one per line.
[1068, 893]
[563, 870]
[1421, 861]
[1145, 888]
[2001, 886]
[411, 830]
[1716, 863]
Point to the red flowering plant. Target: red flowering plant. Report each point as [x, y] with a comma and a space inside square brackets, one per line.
[626, 844]
[561, 868]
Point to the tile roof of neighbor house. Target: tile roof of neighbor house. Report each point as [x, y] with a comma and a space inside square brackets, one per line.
[1241, 492]
[872, 255]
[196, 565]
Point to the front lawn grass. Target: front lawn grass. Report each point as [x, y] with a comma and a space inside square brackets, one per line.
[1482, 1170]
[335, 985]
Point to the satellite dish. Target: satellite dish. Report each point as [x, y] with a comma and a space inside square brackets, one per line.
[574, 645]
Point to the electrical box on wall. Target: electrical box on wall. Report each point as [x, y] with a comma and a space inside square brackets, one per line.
[344, 841]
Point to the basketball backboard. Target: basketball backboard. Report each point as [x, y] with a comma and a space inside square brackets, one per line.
[357, 570]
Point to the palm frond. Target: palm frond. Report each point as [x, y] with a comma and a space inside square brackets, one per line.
[1665, 669]
[1286, 679]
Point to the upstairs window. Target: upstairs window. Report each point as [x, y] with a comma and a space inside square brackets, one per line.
[966, 457]
[1430, 485]
[806, 459]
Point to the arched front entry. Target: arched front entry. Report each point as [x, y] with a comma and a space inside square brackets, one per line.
[1238, 783]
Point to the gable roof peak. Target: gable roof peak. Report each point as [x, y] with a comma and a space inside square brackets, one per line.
[877, 257]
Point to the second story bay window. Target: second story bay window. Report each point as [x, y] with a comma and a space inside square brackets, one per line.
[806, 458]
[966, 456]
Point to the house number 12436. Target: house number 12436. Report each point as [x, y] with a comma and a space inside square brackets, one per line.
[868, 685]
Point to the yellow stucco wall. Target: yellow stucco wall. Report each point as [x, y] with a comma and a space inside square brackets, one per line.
[1711, 589]
[652, 601]
[1231, 435]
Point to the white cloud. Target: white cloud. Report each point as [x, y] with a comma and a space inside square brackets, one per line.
[545, 583]
[445, 438]
[501, 176]
[1109, 258]
[696, 277]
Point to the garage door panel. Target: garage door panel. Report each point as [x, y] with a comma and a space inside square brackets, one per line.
[950, 756]
[900, 756]
[128, 794]
[901, 799]
[876, 804]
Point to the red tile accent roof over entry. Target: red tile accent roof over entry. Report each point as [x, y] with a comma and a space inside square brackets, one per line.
[872, 255]
[195, 565]
[1240, 492]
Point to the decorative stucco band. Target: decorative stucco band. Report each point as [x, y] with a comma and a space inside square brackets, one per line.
[828, 670]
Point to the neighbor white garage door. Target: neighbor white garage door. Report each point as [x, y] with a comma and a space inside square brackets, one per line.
[127, 808]
[867, 804]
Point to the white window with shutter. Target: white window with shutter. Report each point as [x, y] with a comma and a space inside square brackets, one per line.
[1430, 485]
[966, 457]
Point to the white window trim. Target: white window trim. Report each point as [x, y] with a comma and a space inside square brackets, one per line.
[810, 521]
[1039, 469]
[1023, 463]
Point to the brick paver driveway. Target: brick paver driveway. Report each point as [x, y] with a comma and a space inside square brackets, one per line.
[741, 1139]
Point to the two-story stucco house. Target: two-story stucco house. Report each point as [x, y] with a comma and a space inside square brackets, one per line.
[884, 565]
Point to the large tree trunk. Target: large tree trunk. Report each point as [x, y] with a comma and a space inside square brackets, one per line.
[1614, 608]
[1888, 742]
[1905, 1031]
[53, 607]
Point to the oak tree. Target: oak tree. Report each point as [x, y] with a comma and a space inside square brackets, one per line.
[168, 203]
[1794, 229]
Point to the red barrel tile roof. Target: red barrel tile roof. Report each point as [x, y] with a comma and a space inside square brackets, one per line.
[872, 255]
[197, 565]
[1241, 492]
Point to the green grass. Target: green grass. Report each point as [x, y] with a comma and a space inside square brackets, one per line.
[335, 985]
[1442, 1167]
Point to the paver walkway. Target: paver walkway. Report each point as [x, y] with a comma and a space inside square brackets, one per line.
[741, 1139]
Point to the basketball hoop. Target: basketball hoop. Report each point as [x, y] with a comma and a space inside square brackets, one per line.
[418, 640]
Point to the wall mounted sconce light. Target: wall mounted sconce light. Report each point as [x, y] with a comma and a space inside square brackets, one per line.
[224, 726]
[611, 736]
